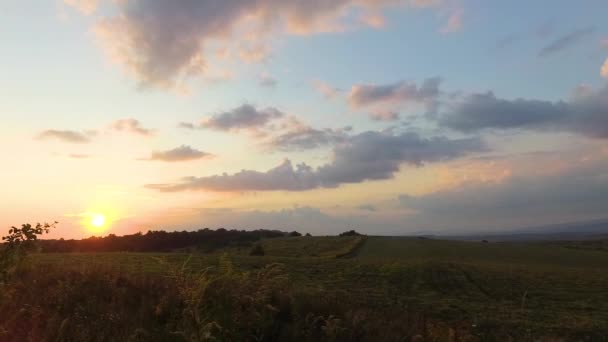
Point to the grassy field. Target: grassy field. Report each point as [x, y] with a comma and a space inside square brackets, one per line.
[528, 254]
[495, 290]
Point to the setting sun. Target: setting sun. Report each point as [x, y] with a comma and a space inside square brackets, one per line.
[98, 220]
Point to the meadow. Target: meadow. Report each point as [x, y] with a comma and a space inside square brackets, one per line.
[353, 288]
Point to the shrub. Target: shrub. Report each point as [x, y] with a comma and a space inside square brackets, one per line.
[257, 250]
[350, 233]
[18, 243]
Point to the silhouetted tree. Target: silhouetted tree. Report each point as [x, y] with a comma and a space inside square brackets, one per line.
[350, 233]
[205, 240]
[294, 234]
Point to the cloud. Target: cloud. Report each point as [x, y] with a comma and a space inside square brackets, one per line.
[65, 136]
[585, 114]
[326, 90]
[565, 41]
[272, 129]
[544, 31]
[267, 81]
[578, 193]
[131, 126]
[282, 177]
[179, 154]
[307, 219]
[454, 23]
[186, 125]
[254, 54]
[367, 207]
[243, 117]
[299, 136]
[79, 156]
[530, 196]
[604, 70]
[374, 20]
[366, 156]
[162, 42]
[87, 7]
[300, 218]
[583, 90]
[384, 115]
[400, 93]
[485, 110]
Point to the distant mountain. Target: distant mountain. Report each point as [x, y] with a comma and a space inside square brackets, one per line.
[595, 229]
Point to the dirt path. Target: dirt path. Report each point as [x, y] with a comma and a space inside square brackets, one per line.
[354, 251]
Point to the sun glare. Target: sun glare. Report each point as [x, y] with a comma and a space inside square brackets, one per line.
[98, 221]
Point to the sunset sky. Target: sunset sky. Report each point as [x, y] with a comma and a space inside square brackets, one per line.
[384, 116]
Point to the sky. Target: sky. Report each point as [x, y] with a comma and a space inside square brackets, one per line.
[390, 117]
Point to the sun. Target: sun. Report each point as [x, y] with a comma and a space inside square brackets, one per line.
[98, 221]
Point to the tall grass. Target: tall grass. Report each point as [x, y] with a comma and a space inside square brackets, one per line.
[100, 303]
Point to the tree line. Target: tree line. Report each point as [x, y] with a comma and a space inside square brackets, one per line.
[204, 240]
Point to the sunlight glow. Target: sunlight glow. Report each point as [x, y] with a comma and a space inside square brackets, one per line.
[98, 220]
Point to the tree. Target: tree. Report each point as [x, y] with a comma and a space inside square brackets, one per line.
[350, 233]
[18, 243]
[294, 234]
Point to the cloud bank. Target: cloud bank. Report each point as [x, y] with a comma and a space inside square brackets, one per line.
[578, 193]
[586, 114]
[161, 42]
[366, 156]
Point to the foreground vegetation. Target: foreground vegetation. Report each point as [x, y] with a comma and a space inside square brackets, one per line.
[348, 288]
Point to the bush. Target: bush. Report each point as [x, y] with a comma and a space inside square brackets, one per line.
[18, 243]
[257, 250]
[350, 233]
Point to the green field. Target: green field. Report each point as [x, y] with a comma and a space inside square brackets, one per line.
[495, 290]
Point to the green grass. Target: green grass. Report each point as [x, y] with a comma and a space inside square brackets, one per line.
[529, 254]
[517, 289]
[304, 246]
